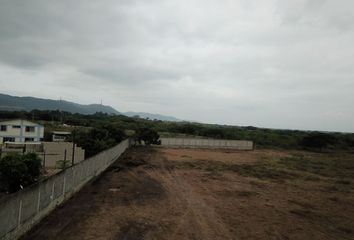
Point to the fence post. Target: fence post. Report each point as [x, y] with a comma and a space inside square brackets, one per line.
[24, 149]
[64, 162]
[52, 196]
[64, 183]
[19, 213]
[39, 199]
[73, 152]
[44, 155]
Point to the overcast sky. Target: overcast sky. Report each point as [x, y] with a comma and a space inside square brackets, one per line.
[267, 63]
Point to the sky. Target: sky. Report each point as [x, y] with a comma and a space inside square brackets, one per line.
[266, 63]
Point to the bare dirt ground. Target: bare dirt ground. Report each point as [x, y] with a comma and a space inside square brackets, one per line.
[158, 193]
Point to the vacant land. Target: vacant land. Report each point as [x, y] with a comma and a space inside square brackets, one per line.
[157, 193]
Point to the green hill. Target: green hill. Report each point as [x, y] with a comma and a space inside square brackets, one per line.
[12, 103]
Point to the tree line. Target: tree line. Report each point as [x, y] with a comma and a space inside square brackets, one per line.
[99, 131]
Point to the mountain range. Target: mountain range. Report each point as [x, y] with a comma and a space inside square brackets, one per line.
[151, 116]
[14, 103]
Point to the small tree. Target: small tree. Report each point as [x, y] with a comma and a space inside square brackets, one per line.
[98, 138]
[148, 135]
[13, 172]
[63, 164]
[317, 140]
[18, 171]
[34, 166]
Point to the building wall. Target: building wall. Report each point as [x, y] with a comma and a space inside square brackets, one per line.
[19, 212]
[20, 133]
[49, 152]
[55, 151]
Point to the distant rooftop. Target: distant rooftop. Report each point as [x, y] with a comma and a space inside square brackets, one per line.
[61, 133]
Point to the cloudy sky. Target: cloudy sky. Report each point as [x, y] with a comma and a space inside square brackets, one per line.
[267, 63]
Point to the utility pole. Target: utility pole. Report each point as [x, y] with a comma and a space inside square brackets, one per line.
[44, 153]
[73, 152]
[61, 110]
[64, 162]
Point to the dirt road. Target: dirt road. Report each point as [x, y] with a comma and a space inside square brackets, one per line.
[194, 194]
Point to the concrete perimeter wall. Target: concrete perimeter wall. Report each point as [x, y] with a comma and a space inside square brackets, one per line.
[207, 143]
[20, 211]
[54, 152]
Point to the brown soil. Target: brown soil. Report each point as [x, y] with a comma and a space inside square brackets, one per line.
[157, 193]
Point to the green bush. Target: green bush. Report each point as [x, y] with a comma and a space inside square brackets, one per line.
[148, 135]
[98, 138]
[34, 165]
[318, 140]
[18, 171]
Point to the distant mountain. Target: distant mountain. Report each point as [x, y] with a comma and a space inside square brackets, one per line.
[151, 116]
[12, 103]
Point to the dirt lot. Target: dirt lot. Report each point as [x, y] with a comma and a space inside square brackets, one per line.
[157, 193]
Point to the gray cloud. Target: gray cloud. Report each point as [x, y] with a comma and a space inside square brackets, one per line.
[282, 64]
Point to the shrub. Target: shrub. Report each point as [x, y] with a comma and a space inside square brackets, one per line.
[18, 171]
[148, 135]
[34, 165]
[318, 140]
[99, 138]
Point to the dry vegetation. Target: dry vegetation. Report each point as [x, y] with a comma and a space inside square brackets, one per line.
[158, 193]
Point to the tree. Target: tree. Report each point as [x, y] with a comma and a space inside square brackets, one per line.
[18, 171]
[318, 140]
[148, 135]
[349, 140]
[34, 166]
[63, 164]
[114, 132]
[98, 138]
[13, 172]
[213, 132]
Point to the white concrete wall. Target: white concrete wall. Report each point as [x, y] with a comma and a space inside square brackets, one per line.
[49, 152]
[54, 152]
[207, 143]
[19, 212]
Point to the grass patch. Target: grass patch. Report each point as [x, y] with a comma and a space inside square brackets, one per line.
[263, 171]
[336, 168]
[325, 165]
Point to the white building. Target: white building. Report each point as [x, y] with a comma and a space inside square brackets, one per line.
[20, 131]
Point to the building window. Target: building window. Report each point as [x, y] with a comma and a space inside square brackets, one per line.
[3, 128]
[9, 139]
[29, 139]
[16, 126]
[29, 129]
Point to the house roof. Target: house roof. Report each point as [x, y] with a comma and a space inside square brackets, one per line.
[18, 122]
[61, 133]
